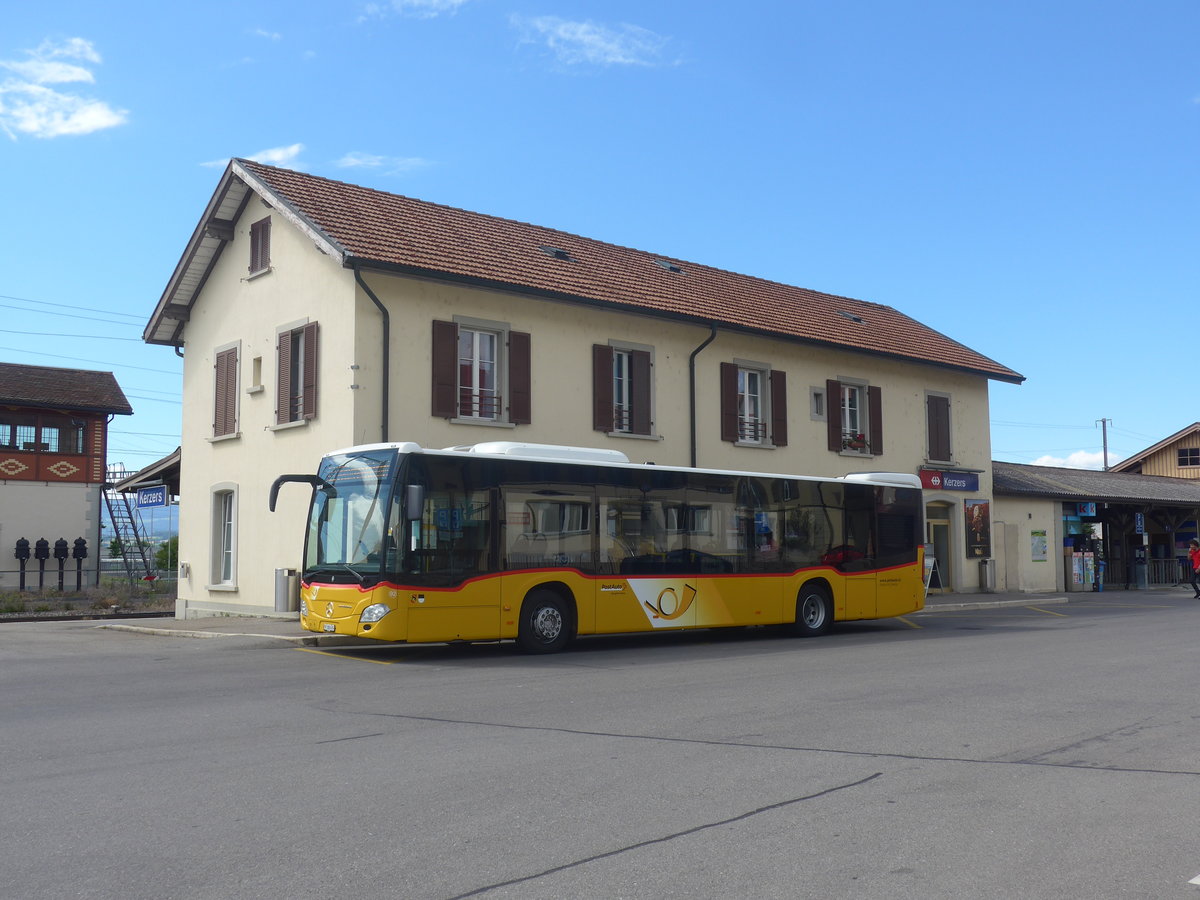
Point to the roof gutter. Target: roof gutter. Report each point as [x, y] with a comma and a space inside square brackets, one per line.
[692, 383]
[387, 342]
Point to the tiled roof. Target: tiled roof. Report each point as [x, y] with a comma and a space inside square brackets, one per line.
[381, 230]
[1091, 484]
[53, 388]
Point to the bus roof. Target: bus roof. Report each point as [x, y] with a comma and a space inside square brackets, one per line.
[597, 455]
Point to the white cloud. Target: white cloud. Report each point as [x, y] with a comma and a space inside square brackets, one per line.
[286, 157]
[589, 43]
[27, 106]
[417, 9]
[392, 165]
[1080, 459]
[269, 35]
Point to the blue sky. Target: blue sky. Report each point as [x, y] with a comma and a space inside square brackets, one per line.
[1022, 176]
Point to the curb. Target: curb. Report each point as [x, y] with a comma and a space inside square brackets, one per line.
[991, 604]
[314, 640]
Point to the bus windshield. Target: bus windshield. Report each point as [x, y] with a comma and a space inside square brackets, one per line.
[348, 519]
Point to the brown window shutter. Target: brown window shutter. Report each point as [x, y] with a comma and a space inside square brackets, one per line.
[445, 370]
[283, 379]
[225, 401]
[729, 410]
[639, 365]
[779, 418]
[833, 414]
[875, 402]
[938, 423]
[602, 385]
[260, 245]
[308, 399]
[520, 394]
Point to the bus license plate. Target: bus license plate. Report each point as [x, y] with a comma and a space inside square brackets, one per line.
[329, 626]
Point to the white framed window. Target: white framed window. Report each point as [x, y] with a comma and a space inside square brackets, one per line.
[622, 380]
[852, 412]
[753, 404]
[478, 373]
[751, 390]
[855, 424]
[817, 404]
[296, 373]
[223, 545]
[481, 373]
[622, 389]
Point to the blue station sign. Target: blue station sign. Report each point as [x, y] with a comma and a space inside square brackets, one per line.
[949, 481]
[149, 497]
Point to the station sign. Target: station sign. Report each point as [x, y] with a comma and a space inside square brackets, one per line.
[150, 497]
[949, 481]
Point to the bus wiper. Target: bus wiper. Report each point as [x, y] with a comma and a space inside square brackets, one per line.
[337, 567]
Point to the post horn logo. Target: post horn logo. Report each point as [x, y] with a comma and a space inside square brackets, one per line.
[668, 605]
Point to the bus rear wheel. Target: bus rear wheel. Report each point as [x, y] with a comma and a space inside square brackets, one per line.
[545, 625]
[814, 612]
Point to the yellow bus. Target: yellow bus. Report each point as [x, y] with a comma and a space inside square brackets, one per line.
[539, 543]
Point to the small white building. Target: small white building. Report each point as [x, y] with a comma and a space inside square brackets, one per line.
[53, 443]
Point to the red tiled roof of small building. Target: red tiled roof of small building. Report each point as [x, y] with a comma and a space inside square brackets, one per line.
[414, 235]
[47, 387]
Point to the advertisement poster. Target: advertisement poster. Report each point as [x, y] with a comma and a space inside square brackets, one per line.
[978, 519]
[1039, 546]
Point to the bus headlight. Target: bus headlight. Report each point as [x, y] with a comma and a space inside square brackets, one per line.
[303, 607]
[374, 612]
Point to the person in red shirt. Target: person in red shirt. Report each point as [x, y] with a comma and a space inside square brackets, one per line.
[1194, 556]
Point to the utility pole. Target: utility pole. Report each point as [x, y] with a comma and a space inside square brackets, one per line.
[1104, 423]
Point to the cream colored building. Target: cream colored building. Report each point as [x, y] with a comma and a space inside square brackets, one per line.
[313, 315]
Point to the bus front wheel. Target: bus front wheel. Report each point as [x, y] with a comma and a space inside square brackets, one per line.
[814, 612]
[545, 625]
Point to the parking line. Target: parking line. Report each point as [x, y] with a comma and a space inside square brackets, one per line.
[378, 662]
[1048, 612]
[908, 623]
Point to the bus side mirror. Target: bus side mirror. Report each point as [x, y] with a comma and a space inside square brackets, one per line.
[414, 501]
[315, 481]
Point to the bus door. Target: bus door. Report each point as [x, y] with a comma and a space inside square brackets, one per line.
[646, 577]
[857, 554]
[548, 527]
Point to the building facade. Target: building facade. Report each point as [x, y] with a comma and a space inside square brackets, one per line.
[314, 315]
[53, 443]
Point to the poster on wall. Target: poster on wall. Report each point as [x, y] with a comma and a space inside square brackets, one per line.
[977, 515]
[1039, 546]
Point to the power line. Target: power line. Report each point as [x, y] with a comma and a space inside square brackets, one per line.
[71, 315]
[98, 362]
[93, 337]
[69, 306]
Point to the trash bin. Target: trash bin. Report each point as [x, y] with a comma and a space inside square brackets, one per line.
[987, 576]
[1139, 574]
[287, 590]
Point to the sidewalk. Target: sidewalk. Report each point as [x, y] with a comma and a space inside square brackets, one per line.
[272, 631]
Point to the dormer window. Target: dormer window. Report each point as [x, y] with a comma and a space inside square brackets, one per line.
[557, 253]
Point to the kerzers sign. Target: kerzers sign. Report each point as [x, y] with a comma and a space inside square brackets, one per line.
[949, 481]
[149, 497]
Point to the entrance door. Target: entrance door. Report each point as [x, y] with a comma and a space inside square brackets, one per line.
[937, 535]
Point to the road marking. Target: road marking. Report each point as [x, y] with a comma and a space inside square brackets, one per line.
[908, 623]
[1195, 880]
[1048, 612]
[378, 662]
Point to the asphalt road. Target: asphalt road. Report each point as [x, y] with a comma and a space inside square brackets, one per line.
[978, 753]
